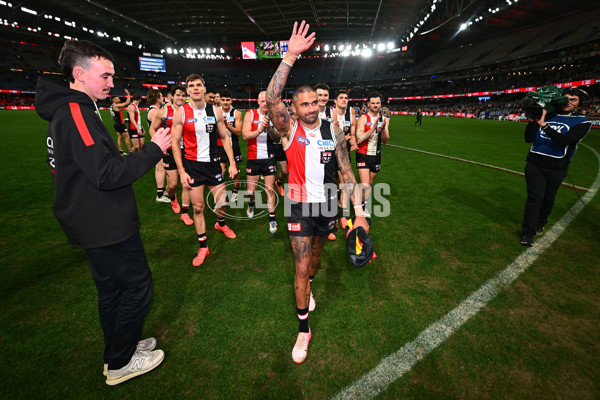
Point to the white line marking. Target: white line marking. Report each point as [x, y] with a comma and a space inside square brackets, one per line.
[397, 364]
[510, 171]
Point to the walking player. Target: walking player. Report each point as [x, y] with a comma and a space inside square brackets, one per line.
[199, 124]
[314, 149]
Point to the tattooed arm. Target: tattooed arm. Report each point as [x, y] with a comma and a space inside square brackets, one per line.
[298, 43]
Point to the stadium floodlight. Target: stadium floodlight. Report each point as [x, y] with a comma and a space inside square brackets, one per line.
[341, 47]
[390, 45]
[381, 47]
[29, 10]
[462, 27]
[326, 47]
[207, 50]
[366, 53]
[222, 50]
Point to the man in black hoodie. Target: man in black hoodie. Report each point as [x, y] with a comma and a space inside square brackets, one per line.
[95, 204]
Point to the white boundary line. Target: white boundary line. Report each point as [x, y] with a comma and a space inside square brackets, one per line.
[510, 171]
[397, 364]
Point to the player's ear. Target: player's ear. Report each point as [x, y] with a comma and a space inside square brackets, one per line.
[78, 73]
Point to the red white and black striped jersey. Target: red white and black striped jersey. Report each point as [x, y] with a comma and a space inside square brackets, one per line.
[167, 121]
[312, 163]
[326, 114]
[229, 116]
[371, 146]
[148, 115]
[117, 116]
[261, 147]
[345, 121]
[200, 133]
[136, 117]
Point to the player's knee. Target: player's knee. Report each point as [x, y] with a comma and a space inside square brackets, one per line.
[199, 208]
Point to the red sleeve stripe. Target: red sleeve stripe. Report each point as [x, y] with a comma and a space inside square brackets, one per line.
[80, 123]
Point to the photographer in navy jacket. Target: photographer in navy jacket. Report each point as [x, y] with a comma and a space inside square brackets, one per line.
[95, 204]
[554, 141]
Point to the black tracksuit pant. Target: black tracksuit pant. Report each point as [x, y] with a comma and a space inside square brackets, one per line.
[124, 284]
[542, 185]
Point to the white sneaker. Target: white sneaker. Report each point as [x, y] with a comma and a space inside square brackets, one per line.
[234, 198]
[163, 199]
[301, 347]
[145, 345]
[250, 212]
[140, 363]
[311, 303]
[273, 227]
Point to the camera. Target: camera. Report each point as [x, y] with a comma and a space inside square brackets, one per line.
[549, 97]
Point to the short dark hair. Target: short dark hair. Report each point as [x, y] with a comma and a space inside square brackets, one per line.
[302, 89]
[373, 95]
[341, 91]
[175, 88]
[78, 53]
[225, 93]
[194, 77]
[152, 96]
[136, 96]
[210, 90]
[322, 86]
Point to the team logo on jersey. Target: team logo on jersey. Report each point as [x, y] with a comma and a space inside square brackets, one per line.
[191, 120]
[303, 141]
[294, 227]
[210, 120]
[326, 156]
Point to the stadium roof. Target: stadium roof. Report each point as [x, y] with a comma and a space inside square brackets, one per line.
[184, 22]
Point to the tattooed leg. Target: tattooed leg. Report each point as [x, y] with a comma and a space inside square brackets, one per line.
[302, 260]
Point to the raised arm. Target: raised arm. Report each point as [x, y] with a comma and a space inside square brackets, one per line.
[298, 43]
[127, 101]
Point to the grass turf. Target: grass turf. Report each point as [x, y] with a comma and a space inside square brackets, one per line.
[228, 327]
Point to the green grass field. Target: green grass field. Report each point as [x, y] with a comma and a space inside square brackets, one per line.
[228, 327]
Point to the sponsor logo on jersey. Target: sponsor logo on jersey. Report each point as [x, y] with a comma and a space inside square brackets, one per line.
[325, 143]
[303, 141]
[257, 122]
[230, 120]
[361, 164]
[294, 227]
[346, 123]
[191, 120]
[210, 120]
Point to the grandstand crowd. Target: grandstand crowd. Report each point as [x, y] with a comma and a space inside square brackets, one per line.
[491, 65]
